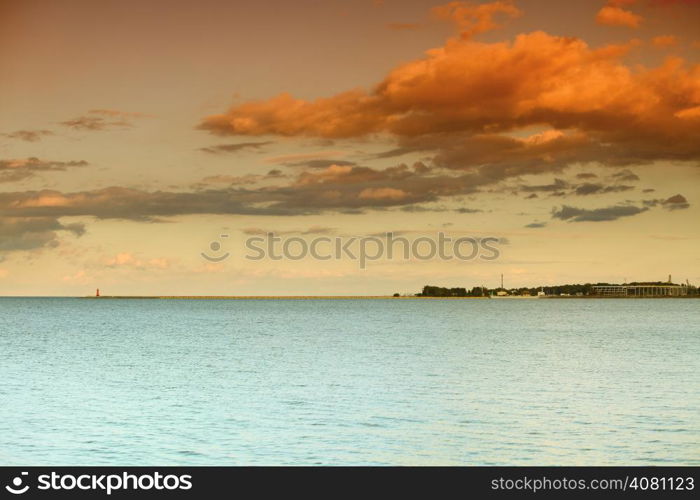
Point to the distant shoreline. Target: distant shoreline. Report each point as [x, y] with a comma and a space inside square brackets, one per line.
[365, 297]
[267, 297]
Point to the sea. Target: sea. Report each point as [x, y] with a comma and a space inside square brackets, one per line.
[349, 382]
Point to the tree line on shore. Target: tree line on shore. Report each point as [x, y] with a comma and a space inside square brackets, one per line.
[568, 289]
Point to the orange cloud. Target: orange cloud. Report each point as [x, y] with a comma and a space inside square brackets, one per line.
[386, 193]
[618, 3]
[675, 2]
[333, 173]
[473, 19]
[665, 41]
[494, 110]
[690, 113]
[611, 15]
[543, 137]
[477, 87]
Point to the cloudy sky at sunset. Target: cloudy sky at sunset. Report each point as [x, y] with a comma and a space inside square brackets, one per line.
[135, 133]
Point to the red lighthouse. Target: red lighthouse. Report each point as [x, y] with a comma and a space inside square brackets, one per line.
[97, 294]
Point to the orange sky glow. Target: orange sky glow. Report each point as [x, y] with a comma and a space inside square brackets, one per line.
[134, 134]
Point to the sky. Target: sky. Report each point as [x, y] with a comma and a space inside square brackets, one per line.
[134, 135]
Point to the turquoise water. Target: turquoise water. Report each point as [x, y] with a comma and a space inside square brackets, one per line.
[223, 382]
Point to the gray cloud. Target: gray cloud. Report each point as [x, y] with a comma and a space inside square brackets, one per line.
[233, 148]
[313, 230]
[139, 205]
[590, 188]
[237, 180]
[626, 176]
[16, 170]
[102, 119]
[320, 163]
[573, 214]
[29, 233]
[28, 135]
[557, 185]
[676, 202]
[94, 123]
[347, 189]
[421, 209]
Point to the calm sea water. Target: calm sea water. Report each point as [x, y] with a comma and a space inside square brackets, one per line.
[219, 382]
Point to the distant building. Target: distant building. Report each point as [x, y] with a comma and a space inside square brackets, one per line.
[667, 290]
